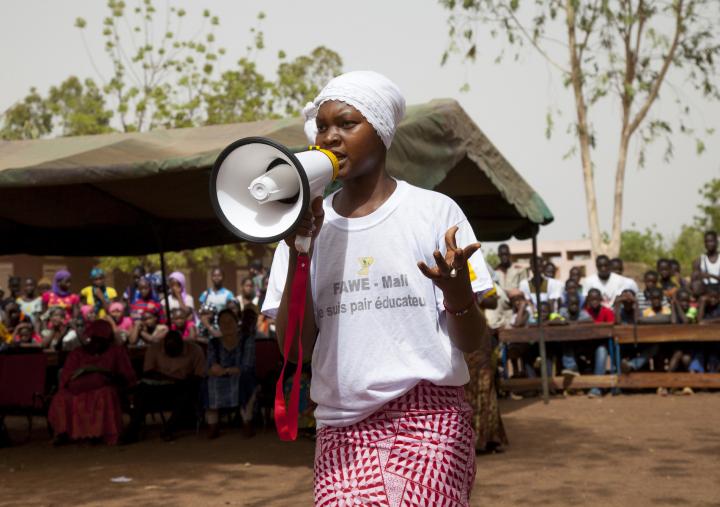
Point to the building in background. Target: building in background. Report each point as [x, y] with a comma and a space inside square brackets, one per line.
[197, 278]
[564, 254]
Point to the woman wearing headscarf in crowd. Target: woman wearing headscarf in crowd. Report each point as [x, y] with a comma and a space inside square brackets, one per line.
[59, 334]
[180, 322]
[60, 295]
[131, 292]
[389, 376]
[178, 297]
[147, 300]
[87, 404]
[98, 295]
[231, 373]
[148, 329]
[121, 323]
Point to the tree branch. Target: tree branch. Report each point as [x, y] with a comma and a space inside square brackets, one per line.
[635, 123]
[532, 41]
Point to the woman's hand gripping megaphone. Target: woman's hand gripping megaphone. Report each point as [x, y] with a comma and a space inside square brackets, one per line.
[308, 228]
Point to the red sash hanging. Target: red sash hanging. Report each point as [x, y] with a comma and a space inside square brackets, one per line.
[286, 416]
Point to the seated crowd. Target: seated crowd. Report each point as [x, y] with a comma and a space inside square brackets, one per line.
[197, 361]
[607, 296]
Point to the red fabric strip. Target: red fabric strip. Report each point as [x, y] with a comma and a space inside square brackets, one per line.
[286, 416]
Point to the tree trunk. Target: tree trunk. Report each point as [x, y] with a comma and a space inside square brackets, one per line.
[613, 249]
[583, 134]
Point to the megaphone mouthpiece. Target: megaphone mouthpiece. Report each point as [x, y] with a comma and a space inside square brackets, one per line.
[281, 182]
[260, 189]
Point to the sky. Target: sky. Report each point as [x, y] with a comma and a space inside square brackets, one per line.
[403, 39]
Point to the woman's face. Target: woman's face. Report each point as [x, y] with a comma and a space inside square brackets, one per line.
[228, 325]
[343, 130]
[25, 334]
[149, 319]
[174, 284]
[117, 314]
[57, 317]
[179, 320]
[65, 283]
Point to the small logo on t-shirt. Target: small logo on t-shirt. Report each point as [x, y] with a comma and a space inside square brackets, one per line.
[365, 263]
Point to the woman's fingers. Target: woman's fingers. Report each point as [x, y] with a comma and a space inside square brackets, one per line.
[428, 272]
[469, 250]
[441, 264]
[450, 238]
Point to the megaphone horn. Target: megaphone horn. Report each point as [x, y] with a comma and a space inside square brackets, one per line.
[259, 189]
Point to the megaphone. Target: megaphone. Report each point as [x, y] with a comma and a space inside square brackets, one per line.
[260, 190]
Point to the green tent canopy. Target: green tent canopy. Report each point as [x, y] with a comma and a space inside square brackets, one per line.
[131, 194]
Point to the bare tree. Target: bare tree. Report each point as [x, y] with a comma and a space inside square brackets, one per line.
[608, 49]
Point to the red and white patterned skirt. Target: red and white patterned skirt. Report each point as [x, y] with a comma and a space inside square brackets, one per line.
[416, 450]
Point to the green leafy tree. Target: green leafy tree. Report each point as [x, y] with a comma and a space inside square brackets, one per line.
[300, 80]
[607, 53]
[642, 246]
[28, 119]
[709, 218]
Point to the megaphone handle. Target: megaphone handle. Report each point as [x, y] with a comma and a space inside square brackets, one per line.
[302, 244]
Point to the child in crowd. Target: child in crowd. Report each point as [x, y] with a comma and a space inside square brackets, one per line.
[25, 336]
[667, 282]
[575, 289]
[147, 300]
[207, 328]
[217, 295]
[58, 333]
[576, 273]
[658, 310]
[181, 323]
[61, 296]
[594, 305]
[30, 303]
[131, 292]
[522, 314]
[178, 297]
[684, 311]
[626, 308]
[97, 294]
[121, 323]
[573, 311]
[650, 278]
[148, 329]
[709, 309]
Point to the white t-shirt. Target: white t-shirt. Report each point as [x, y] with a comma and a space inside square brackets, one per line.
[554, 291]
[610, 288]
[381, 322]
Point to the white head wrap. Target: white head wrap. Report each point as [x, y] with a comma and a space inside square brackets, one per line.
[376, 97]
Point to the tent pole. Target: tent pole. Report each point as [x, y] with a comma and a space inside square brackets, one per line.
[164, 283]
[541, 328]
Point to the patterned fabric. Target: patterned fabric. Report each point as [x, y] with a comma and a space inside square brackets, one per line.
[417, 450]
[480, 393]
[223, 392]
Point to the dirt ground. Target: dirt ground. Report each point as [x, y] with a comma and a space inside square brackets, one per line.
[629, 450]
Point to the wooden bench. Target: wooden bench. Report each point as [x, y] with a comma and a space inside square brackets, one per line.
[619, 335]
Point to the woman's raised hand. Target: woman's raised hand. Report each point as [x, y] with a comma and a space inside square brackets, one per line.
[450, 272]
[310, 223]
